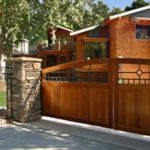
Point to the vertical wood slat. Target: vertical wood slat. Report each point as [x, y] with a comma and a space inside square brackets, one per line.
[99, 105]
[133, 108]
[81, 102]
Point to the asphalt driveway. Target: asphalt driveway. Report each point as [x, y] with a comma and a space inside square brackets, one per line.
[52, 134]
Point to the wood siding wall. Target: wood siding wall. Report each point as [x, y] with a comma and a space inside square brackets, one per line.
[124, 42]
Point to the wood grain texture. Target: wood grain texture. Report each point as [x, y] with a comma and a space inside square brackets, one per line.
[133, 108]
[78, 63]
[87, 39]
[99, 104]
[111, 104]
[86, 103]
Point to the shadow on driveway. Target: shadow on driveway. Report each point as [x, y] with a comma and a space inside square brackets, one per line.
[49, 135]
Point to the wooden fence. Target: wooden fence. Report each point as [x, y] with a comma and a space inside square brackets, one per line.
[114, 93]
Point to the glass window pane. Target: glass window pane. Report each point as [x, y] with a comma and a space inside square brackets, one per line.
[143, 31]
[95, 50]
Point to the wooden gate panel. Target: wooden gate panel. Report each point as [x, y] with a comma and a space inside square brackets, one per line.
[49, 96]
[126, 108]
[72, 102]
[144, 109]
[99, 105]
[133, 108]
[77, 101]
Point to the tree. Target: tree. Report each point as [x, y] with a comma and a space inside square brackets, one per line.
[137, 4]
[14, 22]
[94, 12]
[115, 11]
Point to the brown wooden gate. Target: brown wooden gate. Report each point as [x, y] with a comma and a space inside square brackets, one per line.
[132, 96]
[113, 93]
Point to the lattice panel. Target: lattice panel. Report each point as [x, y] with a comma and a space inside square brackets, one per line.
[80, 74]
[134, 74]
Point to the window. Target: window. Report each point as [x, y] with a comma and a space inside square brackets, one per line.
[143, 31]
[95, 50]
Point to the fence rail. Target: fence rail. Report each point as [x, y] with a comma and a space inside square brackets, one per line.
[128, 71]
[79, 71]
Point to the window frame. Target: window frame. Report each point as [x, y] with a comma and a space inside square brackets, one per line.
[144, 36]
[105, 54]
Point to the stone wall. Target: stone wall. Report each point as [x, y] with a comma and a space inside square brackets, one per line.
[23, 91]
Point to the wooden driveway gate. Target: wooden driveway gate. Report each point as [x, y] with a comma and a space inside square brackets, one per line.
[113, 93]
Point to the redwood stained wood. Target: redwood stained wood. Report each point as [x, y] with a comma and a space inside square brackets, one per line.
[99, 105]
[114, 91]
[80, 47]
[134, 108]
[120, 106]
[54, 52]
[74, 64]
[49, 96]
[77, 102]
[73, 102]
[123, 40]
[87, 39]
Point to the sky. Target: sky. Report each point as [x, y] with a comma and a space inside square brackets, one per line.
[119, 3]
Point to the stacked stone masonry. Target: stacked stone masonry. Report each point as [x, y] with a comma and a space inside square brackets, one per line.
[23, 89]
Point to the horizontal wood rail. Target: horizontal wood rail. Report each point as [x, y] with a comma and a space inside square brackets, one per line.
[53, 52]
[95, 61]
[77, 63]
[85, 39]
[132, 61]
[118, 70]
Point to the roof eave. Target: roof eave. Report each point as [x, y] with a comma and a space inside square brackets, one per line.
[129, 12]
[83, 30]
[64, 28]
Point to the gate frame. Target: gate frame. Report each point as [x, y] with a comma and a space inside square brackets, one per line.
[113, 65]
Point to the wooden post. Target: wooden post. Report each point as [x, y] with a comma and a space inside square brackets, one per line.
[113, 82]
[80, 47]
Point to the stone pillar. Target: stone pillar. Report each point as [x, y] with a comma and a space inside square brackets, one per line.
[23, 90]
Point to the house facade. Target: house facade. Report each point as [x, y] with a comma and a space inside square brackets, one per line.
[130, 34]
[126, 35]
[60, 47]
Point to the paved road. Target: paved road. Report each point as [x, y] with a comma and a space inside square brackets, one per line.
[51, 134]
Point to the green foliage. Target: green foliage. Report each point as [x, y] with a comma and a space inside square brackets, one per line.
[115, 11]
[14, 22]
[95, 13]
[2, 98]
[95, 50]
[137, 4]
